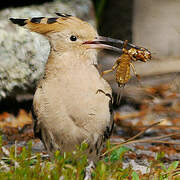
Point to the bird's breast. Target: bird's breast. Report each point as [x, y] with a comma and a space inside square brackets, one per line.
[76, 92]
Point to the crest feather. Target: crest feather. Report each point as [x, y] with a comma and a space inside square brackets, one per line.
[45, 25]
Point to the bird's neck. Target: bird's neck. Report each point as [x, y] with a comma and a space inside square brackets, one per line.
[61, 61]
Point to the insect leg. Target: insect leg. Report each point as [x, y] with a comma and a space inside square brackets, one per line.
[125, 44]
[106, 72]
[134, 59]
[119, 95]
[110, 70]
[137, 76]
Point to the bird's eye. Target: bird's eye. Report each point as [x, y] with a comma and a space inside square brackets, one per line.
[73, 38]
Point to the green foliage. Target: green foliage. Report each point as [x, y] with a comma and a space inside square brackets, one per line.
[117, 154]
[160, 170]
[29, 166]
[160, 156]
[135, 176]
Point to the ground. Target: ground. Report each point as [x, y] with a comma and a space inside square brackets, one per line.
[143, 146]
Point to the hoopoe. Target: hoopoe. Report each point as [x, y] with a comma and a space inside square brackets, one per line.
[72, 103]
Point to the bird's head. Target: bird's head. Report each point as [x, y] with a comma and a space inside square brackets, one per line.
[66, 33]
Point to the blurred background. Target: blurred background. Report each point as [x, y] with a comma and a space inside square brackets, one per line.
[153, 24]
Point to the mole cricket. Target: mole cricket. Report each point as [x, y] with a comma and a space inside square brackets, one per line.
[123, 64]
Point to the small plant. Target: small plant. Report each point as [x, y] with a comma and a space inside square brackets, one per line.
[29, 166]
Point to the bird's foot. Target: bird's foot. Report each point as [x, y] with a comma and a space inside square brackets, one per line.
[89, 170]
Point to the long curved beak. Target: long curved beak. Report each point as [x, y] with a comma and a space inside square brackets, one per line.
[98, 44]
[117, 41]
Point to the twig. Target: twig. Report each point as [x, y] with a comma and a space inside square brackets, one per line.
[167, 135]
[15, 154]
[35, 156]
[5, 151]
[3, 165]
[157, 127]
[154, 138]
[132, 139]
[151, 141]
[176, 172]
[143, 131]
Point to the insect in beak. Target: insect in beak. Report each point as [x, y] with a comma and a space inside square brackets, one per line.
[97, 43]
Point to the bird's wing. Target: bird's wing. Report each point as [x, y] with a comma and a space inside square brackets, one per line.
[37, 130]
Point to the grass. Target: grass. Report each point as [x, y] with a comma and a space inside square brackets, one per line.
[29, 166]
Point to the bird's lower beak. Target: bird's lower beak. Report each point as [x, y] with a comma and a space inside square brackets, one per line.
[98, 44]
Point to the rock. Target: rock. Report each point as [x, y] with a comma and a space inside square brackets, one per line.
[137, 167]
[23, 53]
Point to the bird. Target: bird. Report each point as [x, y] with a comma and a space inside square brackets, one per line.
[72, 103]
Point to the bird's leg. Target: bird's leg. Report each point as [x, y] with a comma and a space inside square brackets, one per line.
[110, 70]
[89, 170]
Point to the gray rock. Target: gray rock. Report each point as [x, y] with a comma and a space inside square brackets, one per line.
[143, 168]
[23, 53]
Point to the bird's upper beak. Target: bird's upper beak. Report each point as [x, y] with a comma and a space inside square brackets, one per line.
[97, 43]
